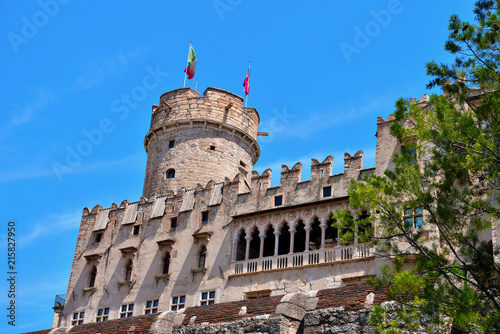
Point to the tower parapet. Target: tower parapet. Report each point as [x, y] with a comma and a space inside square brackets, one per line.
[194, 139]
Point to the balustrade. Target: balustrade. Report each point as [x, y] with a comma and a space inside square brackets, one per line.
[302, 259]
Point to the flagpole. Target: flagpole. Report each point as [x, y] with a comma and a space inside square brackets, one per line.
[187, 62]
[196, 86]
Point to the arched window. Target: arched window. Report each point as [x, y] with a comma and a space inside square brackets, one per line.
[128, 270]
[92, 276]
[284, 240]
[170, 173]
[269, 242]
[241, 248]
[299, 242]
[331, 234]
[254, 245]
[365, 229]
[315, 235]
[165, 265]
[202, 256]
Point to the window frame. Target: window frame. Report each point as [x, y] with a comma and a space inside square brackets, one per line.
[129, 269]
[170, 173]
[173, 223]
[136, 230]
[276, 198]
[92, 277]
[204, 217]
[104, 315]
[78, 318]
[128, 311]
[208, 299]
[329, 188]
[153, 308]
[409, 148]
[413, 217]
[178, 303]
[202, 257]
[98, 237]
[164, 261]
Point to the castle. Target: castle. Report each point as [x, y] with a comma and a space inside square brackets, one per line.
[208, 229]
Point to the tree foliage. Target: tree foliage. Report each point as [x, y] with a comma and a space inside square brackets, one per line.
[448, 269]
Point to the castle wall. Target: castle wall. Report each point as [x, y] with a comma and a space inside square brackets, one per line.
[221, 207]
[243, 205]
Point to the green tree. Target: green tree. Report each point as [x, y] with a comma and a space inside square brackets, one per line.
[449, 269]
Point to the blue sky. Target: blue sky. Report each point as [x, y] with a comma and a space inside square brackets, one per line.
[322, 72]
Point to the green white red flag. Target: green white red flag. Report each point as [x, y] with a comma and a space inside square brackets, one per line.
[246, 83]
[191, 66]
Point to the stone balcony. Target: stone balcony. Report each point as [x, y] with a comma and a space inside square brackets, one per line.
[304, 259]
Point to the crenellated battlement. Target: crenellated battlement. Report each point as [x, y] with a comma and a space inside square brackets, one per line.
[216, 107]
[239, 195]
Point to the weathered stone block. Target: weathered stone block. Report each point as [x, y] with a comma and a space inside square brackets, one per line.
[291, 311]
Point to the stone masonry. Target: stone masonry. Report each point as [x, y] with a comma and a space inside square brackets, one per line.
[211, 239]
[202, 138]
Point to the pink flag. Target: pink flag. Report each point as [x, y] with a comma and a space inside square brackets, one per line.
[246, 83]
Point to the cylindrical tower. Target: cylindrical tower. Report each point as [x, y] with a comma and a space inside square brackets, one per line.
[196, 139]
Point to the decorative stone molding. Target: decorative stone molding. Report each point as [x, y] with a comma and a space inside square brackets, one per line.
[128, 250]
[166, 243]
[202, 235]
[198, 270]
[93, 289]
[93, 257]
[123, 283]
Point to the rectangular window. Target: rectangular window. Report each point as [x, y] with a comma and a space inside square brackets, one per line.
[173, 222]
[171, 144]
[151, 306]
[127, 310]
[410, 151]
[413, 218]
[136, 230]
[278, 200]
[98, 237]
[204, 217]
[460, 150]
[327, 191]
[207, 298]
[77, 318]
[178, 303]
[102, 314]
[243, 166]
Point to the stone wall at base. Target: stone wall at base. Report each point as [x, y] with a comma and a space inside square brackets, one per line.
[330, 320]
[341, 310]
[337, 320]
[275, 324]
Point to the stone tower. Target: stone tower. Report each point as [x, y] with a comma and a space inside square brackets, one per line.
[194, 139]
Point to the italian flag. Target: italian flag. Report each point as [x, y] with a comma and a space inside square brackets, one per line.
[191, 66]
